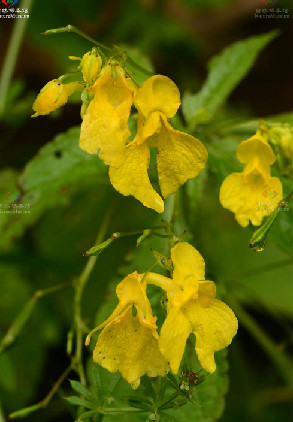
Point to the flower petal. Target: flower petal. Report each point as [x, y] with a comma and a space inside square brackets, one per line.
[250, 198]
[188, 260]
[131, 291]
[256, 146]
[147, 128]
[206, 293]
[131, 348]
[257, 154]
[173, 336]
[104, 130]
[214, 328]
[180, 157]
[158, 93]
[132, 177]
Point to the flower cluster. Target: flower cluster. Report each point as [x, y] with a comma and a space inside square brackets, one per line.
[241, 192]
[130, 342]
[108, 95]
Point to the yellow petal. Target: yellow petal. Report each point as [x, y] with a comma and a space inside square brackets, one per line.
[158, 93]
[214, 328]
[131, 291]
[255, 146]
[206, 293]
[147, 128]
[131, 348]
[257, 154]
[132, 177]
[188, 260]
[104, 130]
[184, 289]
[250, 198]
[180, 157]
[173, 336]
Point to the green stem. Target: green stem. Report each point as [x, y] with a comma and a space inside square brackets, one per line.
[97, 249]
[280, 360]
[79, 288]
[71, 28]
[24, 315]
[28, 410]
[11, 55]
[55, 387]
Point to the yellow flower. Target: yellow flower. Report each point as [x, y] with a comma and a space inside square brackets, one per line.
[54, 95]
[129, 343]
[253, 193]
[104, 130]
[192, 308]
[180, 156]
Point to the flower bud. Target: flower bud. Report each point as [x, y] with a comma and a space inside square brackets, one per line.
[90, 65]
[281, 138]
[53, 96]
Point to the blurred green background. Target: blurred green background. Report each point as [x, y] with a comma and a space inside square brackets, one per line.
[45, 247]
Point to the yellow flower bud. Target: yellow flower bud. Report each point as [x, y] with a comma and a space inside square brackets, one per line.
[54, 95]
[283, 138]
[91, 64]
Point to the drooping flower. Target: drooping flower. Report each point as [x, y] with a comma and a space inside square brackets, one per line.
[104, 130]
[53, 96]
[129, 343]
[192, 308]
[180, 156]
[253, 193]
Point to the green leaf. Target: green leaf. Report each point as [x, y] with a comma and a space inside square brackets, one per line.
[140, 402]
[225, 71]
[48, 180]
[97, 380]
[59, 165]
[77, 401]
[79, 388]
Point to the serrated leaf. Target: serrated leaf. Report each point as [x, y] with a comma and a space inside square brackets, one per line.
[80, 389]
[226, 70]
